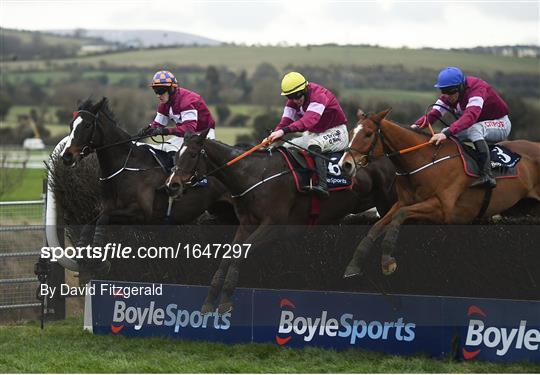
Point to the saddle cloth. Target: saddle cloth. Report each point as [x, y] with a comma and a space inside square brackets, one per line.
[302, 167]
[166, 161]
[503, 161]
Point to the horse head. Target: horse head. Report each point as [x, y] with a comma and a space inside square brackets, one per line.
[84, 131]
[189, 164]
[365, 142]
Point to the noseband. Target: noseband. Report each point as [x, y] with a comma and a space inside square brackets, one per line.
[89, 148]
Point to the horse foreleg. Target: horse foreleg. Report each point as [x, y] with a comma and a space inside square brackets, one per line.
[258, 237]
[215, 287]
[363, 248]
[219, 276]
[428, 210]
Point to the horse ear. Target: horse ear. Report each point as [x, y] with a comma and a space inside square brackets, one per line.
[99, 105]
[201, 137]
[379, 116]
[204, 134]
[360, 114]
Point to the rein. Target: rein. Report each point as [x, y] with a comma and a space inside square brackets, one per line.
[402, 151]
[88, 149]
[194, 179]
[388, 152]
[91, 148]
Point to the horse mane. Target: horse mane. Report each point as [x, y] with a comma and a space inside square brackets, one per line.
[407, 127]
[241, 147]
[87, 105]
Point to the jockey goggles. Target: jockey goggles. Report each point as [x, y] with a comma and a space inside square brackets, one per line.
[295, 95]
[160, 90]
[449, 90]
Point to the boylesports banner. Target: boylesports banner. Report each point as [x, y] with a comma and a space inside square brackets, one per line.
[486, 329]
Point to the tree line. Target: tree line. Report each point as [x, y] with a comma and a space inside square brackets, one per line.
[134, 103]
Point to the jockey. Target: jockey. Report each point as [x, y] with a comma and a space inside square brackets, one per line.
[315, 111]
[186, 108]
[483, 116]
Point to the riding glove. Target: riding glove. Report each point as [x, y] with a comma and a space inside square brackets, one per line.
[144, 131]
[159, 131]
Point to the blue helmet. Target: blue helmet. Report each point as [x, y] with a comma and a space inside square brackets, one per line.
[450, 76]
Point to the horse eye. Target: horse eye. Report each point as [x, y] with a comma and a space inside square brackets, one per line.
[369, 134]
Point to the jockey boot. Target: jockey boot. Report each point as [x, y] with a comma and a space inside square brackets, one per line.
[321, 189]
[486, 176]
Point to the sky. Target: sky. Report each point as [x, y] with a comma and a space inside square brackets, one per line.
[390, 23]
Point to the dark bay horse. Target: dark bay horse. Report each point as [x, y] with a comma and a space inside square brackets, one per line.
[131, 175]
[439, 192]
[265, 197]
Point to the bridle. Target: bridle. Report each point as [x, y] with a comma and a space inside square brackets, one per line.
[89, 148]
[194, 178]
[366, 157]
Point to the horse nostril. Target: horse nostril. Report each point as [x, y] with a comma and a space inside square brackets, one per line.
[175, 186]
[67, 158]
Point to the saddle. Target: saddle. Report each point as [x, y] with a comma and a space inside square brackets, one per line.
[503, 161]
[302, 167]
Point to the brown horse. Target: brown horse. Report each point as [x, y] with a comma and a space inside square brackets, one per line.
[440, 192]
[265, 199]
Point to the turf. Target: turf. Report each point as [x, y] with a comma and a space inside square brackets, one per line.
[30, 187]
[64, 347]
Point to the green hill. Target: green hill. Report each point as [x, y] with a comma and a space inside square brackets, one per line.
[237, 58]
[26, 36]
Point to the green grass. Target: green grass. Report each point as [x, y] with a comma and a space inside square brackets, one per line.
[240, 57]
[228, 135]
[41, 78]
[244, 109]
[534, 102]
[30, 187]
[391, 95]
[64, 347]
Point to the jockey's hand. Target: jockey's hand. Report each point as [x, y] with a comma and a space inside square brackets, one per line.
[415, 127]
[144, 131]
[437, 138]
[275, 135]
[159, 131]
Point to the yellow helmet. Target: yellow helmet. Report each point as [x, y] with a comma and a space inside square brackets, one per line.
[293, 82]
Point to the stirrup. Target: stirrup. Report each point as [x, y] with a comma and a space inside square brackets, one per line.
[320, 191]
[484, 181]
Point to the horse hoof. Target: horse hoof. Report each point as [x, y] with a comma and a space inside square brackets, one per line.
[207, 308]
[352, 270]
[225, 308]
[389, 266]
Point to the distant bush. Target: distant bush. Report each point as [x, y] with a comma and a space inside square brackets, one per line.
[239, 120]
[223, 113]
